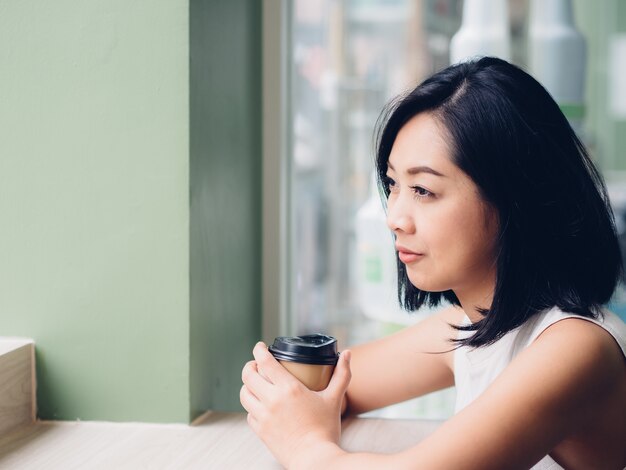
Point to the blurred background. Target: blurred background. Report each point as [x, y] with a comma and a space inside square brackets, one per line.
[346, 59]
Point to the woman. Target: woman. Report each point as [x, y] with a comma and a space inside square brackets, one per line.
[496, 208]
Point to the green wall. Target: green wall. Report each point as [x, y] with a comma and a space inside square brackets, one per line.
[97, 247]
[226, 169]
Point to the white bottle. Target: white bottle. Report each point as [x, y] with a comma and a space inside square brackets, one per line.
[484, 31]
[557, 55]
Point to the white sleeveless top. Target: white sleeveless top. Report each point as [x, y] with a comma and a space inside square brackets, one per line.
[476, 369]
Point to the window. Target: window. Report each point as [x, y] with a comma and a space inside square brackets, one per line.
[341, 61]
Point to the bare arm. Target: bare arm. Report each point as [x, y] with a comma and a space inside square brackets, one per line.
[545, 395]
[407, 364]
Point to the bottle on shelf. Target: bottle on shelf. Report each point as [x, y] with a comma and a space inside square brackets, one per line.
[484, 31]
[557, 55]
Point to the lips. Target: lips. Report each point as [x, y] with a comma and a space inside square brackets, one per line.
[407, 256]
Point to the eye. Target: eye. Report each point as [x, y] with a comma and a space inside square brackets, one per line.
[389, 184]
[421, 193]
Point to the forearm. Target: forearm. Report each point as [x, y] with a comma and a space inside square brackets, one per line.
[330, 455]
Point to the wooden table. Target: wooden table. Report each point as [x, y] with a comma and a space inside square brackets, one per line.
[218, 441]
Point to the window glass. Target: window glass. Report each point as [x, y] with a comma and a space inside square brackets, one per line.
[349, 58]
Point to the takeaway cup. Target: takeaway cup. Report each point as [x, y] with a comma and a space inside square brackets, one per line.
[310, 358]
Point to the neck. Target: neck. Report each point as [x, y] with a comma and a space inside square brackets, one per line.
[477, 296]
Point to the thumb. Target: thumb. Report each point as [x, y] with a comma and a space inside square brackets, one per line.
[341, 375]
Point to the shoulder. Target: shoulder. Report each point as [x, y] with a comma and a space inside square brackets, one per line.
[585, 336]
[584, 339]
[561, 376]
[582, 350]
[567, 373]
[546, 394]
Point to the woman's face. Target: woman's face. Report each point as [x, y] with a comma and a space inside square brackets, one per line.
[445, 233]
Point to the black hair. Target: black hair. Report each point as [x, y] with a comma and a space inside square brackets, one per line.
[557, 243]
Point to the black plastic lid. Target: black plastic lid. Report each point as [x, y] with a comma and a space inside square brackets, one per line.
[308, 349]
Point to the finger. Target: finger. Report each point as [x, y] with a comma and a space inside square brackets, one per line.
[255, 366]
[253, 423]
[246, 369]
[254, 381]
[341, 376]
[270, 366]
[249, 402]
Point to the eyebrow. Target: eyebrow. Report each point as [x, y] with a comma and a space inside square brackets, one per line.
[418, 169]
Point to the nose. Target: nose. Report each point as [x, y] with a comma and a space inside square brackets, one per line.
[399, 218]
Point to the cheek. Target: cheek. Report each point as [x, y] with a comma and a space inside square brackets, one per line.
[459, 239]
[477, 240]
[447, 231]
[462, 239]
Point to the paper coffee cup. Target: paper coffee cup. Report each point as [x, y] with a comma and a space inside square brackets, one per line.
[310, 358]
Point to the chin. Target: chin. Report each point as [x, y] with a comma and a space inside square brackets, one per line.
[427, 285]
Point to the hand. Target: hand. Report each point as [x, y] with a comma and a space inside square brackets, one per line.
[288, 417]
